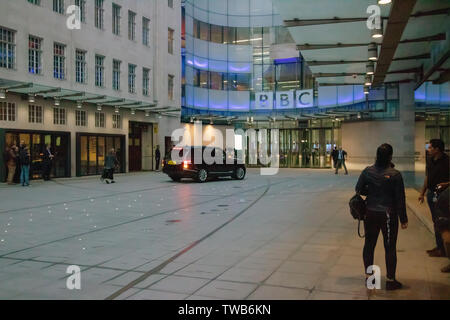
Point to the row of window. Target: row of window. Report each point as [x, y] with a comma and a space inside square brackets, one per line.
[255, 36]
[7, 60]
[36, 115]
[58, 6]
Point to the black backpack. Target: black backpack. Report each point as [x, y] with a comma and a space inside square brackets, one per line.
[358, 210]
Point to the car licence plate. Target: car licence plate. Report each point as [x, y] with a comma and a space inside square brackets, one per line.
[172, 163]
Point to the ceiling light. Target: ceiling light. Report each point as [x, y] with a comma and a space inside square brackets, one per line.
[192, 119]
[160, 117]
[378, 32]
[370, 68]
[211, 122]
[2, 94]
[133, 111]
[366, 89]
[384, 1]
[147, 113]
[57, 102]
[79, 104]
[368, 81]
[373, 52]
[99, 107]
[31, 98]
[117, 110]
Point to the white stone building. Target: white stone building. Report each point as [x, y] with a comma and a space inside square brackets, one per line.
[114, 82]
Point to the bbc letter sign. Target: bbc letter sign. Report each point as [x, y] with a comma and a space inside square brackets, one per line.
[285, 100]
[305, 98]
[264, 100]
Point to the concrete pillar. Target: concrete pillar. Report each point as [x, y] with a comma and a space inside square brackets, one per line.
[361, 139]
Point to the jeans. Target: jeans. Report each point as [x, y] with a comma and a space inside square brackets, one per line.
[25, 175]
[434, 213]
[387, 222]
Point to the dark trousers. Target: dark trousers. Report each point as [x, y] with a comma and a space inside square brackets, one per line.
[46, 170]
[388, 224]
[157, 160]
[434, 216]
[340, 163]
[108, 174]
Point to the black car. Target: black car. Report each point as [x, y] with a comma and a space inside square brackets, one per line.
[186, 168]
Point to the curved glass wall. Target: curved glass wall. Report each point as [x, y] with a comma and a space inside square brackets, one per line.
[229, 55]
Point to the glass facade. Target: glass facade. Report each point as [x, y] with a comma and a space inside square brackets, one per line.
[229, 55]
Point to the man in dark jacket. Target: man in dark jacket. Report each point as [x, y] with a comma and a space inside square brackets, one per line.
[341, 156]
[47, 163]
[334, 155]
[437, 174]
[385, 192]
[157, 157]
[443, 221]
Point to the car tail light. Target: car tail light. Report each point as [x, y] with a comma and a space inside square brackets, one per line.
[186, 164]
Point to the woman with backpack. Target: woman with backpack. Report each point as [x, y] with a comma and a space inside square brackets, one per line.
[111, 163]
[383, 186]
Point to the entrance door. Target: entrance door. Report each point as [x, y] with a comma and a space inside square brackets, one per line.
[135, 147]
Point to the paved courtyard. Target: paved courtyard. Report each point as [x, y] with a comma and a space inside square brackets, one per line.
[288, 236]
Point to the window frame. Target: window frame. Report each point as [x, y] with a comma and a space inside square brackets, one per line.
[8, 44]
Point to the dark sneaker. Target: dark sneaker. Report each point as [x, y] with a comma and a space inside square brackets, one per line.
[107, 181]
[446, 269]
[436, 254]
[113, 181]
[393, 285]
[434, 249]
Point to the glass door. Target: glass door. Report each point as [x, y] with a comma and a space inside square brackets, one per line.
[295, 149]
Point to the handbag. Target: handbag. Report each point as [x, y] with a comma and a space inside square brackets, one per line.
[358, 209]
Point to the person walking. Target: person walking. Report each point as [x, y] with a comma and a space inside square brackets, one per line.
[385, 192]
[110, 163]
[11, 163]
[334, 156]
[341, 157]
[47, 162]
[437, 175]
[24, 161]
[157, 157]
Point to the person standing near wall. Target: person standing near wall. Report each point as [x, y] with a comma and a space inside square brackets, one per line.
[111, 163]
[47, 163]
[11, 163]
[437, 175]
[157, 157]
[24, 161]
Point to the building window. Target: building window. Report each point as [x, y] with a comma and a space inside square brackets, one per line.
[58, 6]
[99, 14]
[80, 118]
[170, 87]
[145, 31]
[116, 74]
[59, 61]
[99, 120]
[145, 81]
[82, 5]
[34, 114]
[131, 25]
[99, 71]
[131, 78]
[36, 2]
[7, 111]
[59, 116]
[7, 48]
[117, 121]
[34, 55]
[80, 66]
[170, 39]
[116, 19]
[170, 3]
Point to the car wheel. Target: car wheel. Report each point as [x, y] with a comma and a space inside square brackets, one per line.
[202, 175]
[239, 174]
[176, 179]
